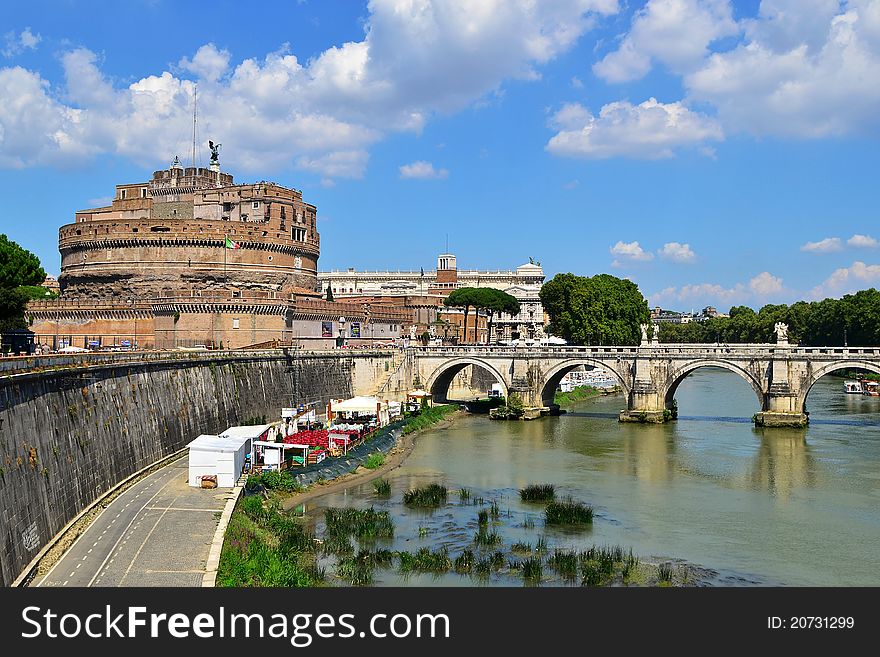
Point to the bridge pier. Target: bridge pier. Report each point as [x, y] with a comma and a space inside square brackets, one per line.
[646, 405]
[781, 374]
[782, 408]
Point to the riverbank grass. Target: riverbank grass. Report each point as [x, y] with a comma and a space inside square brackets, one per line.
[266, 547]
[382, 487]
[362, 524]
[577, 394]
[538, 493]
[428, 417]
[568, 512]
[432, 495]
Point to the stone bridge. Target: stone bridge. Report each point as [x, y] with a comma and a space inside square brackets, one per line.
[780, 374]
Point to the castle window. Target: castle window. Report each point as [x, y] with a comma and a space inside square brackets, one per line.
[143, 192]
[256, 204]
[244, 217]
[270, 258]
[235, 323]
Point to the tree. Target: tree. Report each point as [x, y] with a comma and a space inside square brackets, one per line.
[330, 294]
[497, 301]
[20, 273]
[601, 309]
[463, 297]
[853, 320]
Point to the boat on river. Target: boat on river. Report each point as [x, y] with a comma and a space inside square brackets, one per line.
[853, 387]
[871, 388]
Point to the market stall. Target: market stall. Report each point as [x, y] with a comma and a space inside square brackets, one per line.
[214, 456]
[278, 456]
[360, 410]
[415, 399]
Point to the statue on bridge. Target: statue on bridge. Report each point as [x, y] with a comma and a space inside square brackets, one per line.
[781, 330]
[644, 328]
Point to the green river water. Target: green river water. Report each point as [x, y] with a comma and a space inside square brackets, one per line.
[744, 506]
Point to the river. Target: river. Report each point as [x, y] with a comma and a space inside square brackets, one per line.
[745, 506]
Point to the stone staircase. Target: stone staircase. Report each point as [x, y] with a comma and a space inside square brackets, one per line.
[385, 384]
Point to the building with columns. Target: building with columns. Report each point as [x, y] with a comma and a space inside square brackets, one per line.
[524, 283]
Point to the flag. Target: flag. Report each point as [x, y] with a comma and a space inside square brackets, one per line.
[232, 245]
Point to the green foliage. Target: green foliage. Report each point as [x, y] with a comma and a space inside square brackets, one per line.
[464, 562]
[568, 512]
[428, 417]
[265, 547]
[363, 524]
[811, 324]
[382, 488]
[272, 480]
[538, 493]
[485, 538]
[532, 569]
[601, 309]
[577, 394]
[374, 460]
[664, 573]
[428, 496]
[18, 266]
[514, 408]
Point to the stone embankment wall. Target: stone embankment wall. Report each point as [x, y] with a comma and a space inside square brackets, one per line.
[71, 430]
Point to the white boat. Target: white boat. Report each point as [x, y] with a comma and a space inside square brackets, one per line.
[871, 388]
[853, 387]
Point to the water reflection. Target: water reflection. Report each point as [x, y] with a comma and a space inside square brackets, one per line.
[709, 488]
[783, 464]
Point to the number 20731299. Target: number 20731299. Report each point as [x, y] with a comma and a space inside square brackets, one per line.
[811, 623]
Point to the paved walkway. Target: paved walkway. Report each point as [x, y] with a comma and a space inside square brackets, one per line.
[156, 533]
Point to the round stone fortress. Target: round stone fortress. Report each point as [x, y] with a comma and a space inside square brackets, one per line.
[191, 229]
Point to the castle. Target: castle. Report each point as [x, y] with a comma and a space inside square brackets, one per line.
[192, 259]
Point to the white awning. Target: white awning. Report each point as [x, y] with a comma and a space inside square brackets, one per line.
[249, 431]
[356, 405]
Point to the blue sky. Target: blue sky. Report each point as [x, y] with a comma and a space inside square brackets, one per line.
[715, 152]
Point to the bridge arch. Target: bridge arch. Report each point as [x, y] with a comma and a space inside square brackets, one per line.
[556, 373]
[828, 368]
[679, 375]
[438, 383]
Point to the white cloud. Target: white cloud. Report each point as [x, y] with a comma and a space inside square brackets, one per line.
[863, 242]
[804, 70]
[676, 33]
[422, 170]
[416, 59]
[765, 284]
[847, 280]
[676, 252]
[828, 245]
[208, 63]
[338, 164]
[576, 83]
[650, 130]
[699, 295]
[800, 68]
[631, 251]
[34, 127]
[15, 44]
